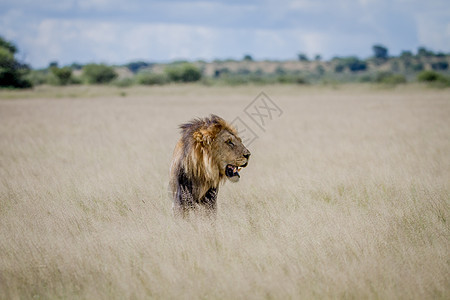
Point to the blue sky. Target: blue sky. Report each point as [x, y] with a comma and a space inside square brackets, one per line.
[117, 32]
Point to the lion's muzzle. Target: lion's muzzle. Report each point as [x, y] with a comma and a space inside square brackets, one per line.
[232, 171]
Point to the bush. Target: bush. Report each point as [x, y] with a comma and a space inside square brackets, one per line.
[433, 78]
[152, 78]
[63, 75]
[302, 57]
[428, 76]
[38, 77]
[184, 72]
[12, 72]
[98, 73]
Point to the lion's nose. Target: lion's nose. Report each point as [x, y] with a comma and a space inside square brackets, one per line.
[247, 155]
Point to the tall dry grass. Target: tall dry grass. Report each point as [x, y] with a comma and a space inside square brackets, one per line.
[346, 196]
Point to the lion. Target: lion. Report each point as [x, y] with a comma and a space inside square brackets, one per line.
[208, 152]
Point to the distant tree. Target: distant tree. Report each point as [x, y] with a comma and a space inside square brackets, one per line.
[248, 57]
[12, 72]
[63, 75]
[302, 57]
[440, 66]
[8, 45]
[417, 67]
[406, 54]
[339, 68]
[380, 52]
[148, 78]
[353, 63]
[53, 64]
[318, 57]
[137, 65]
[76, 66]
[184, 72]
[424, 52]
[98, 73]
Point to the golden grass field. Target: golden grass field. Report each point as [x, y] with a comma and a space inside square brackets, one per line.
[346, 195]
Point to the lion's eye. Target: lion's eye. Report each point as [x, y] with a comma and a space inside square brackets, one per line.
[229, 142]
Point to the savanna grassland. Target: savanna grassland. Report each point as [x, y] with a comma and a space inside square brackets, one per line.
[347, 195]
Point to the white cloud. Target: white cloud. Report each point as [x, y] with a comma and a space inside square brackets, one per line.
[301, 4]
[433, 28]
[433, 34]
[115, 31]
[111, 42]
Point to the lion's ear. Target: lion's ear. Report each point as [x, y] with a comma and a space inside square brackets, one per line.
[203, 136]
[207, 135]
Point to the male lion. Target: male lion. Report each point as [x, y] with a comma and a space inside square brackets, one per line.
[208, 152]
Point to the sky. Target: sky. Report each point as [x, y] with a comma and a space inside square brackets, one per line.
[118, 32]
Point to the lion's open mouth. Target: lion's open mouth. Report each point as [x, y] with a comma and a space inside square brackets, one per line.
[232, 172]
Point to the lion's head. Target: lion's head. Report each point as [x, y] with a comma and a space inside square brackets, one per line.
[230, 154]
[215, 149]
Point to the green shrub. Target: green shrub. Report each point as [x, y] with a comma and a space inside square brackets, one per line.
[63, 75]
[428, 76]
[152, 78]
[38, 77]
[433, 77]
[98, 73]
[76, 80]
[184, 72]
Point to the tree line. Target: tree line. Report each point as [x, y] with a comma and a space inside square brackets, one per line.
[423, 66]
